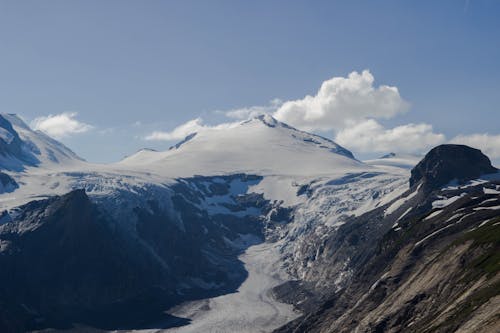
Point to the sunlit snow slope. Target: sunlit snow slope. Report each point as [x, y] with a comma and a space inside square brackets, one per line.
[22, 147]
[260, 145]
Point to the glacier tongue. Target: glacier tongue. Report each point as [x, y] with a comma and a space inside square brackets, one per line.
[251, 308]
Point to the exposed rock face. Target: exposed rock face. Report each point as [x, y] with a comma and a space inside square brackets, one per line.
[62, 263]
[11, 147]
[448, 162]
[7, 183]
[429, 265]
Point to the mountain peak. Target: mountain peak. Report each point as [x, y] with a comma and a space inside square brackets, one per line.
[448, 162]
[268, 120]
[20, 146]
[261, 145]
[15, 120]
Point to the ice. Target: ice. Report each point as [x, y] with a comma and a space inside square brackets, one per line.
[398, 203]
[251, 309]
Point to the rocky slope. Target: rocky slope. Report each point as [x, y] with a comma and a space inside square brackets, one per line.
[427, 262]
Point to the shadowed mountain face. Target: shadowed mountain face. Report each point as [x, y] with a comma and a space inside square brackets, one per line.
[7, 183]
[65, 261]
[61, 262]
[446, 163]
[11, 143]
[21, 147]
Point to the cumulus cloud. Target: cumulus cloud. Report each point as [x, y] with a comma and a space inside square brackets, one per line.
[488, 144]
[253, 111]
[181, 131]
[342, 101]
[60, 125]
[178, 133]
[348, 106]
[370, 136]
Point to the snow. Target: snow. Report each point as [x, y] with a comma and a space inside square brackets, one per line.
[334, 187]
[433, 234]
[490, 191]
[441, 203]
[286, 157]
[433, 214]
[454, 217]
[6, 136]
[454, 185]
[38, 147]
[218, 204]
[251, 309]
[488, 200]
[282, 188]
[490, 207]
[251, 147]
[398, 203]
[404, 214]
[332, 201]
[405, 161]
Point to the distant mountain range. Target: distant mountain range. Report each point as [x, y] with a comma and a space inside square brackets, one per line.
[398, 244]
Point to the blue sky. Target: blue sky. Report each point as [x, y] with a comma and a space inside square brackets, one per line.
[128, 68]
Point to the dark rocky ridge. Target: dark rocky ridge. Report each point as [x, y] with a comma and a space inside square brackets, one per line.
[449, 162]
[13, 147]
[67, 260]
[7, 183]
[61, 263]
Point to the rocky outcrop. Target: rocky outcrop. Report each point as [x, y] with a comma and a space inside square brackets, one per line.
[446, 163]
[7, 183]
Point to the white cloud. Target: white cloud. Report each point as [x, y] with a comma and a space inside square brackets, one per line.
[488, 144]
[253, 111]
[349, 107]
[178, 133]
[60, 125]
[370, 136]
[248, 112]
[341, 101]
[181, 131]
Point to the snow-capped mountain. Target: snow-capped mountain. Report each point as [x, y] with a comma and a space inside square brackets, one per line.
[261, 145]
[94, 244]
[22, 147]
